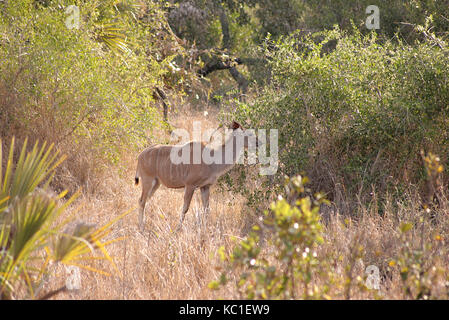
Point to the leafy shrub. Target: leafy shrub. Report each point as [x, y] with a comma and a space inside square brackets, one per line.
[195, 23]
[396, 17]
[295, 231]
[88, 89]
[358, 115]
[420, 267]
[293, 253]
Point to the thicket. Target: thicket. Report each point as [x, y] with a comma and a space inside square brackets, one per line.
[344, 97]
[89, 89]
[356, 119]
[299, 253]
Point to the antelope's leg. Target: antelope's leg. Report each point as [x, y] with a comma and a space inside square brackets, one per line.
[156, 185]
[187, 198]
[205, 198]
[149, 185]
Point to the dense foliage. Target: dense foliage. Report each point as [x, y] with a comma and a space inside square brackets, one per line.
[294, 232]
[358, 115]
[89, 87]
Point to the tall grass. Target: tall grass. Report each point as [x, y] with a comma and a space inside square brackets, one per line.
[161, 264]
[32, 222]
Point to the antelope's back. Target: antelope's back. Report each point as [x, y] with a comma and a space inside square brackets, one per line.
[157, 162]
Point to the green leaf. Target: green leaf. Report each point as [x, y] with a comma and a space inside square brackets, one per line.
[405, 227]
[214, 285]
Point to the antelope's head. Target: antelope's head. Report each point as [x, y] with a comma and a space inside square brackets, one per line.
[248, 137]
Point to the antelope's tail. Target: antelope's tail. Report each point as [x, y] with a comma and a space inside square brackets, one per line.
[136, 179]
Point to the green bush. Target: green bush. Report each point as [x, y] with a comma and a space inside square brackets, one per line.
[91, 86]
[293, 253]
[282, 17]
[358, 115]
[294, 230]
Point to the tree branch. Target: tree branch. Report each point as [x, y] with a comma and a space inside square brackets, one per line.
[218, 65]
[160, 94]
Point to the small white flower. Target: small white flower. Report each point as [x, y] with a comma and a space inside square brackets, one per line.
[252, 262]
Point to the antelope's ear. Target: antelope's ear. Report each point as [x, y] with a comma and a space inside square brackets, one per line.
[235, 125]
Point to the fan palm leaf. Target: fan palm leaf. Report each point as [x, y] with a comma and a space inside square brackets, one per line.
[28, 221]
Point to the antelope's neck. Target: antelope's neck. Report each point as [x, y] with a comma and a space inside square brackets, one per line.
[229, 152]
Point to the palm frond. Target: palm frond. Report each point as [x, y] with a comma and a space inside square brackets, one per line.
[29, 222]
[32, 169]
[114, 37]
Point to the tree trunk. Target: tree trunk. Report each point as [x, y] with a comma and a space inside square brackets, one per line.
[241, 80]
[160, 95]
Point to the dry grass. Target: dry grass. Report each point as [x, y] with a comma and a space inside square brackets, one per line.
[158, 264]
[162, 264]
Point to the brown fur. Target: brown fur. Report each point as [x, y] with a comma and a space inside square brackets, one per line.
[154, 167]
